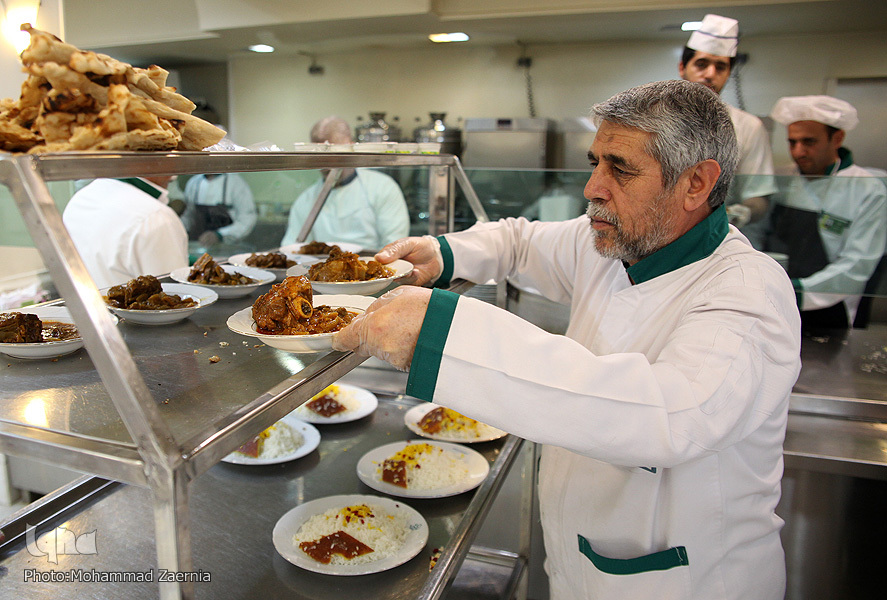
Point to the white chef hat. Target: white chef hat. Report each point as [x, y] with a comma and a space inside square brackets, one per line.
[824, 109]
[717, 35]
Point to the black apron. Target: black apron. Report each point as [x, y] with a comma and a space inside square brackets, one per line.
[798, 230]
[210, 218]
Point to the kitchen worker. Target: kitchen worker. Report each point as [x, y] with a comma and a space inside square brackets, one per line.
[832, 214]
[662, 411]
[366, 207]
[123, 228]
[219, 207]
[709, 58]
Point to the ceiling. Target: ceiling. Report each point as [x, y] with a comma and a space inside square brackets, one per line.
[185, 41]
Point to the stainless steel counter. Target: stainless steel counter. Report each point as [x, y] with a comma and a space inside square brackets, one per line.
[234, 509]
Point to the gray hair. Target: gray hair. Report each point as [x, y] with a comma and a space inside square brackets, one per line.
[687, 122]
[331, 129]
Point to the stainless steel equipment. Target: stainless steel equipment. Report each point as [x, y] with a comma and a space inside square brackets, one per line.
[575, 136]
[437, 130]
[159, 420]
[508, 143]
[377, 130]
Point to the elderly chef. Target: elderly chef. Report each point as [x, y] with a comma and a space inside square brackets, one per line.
[662, 410]
[709, 58]
[832, 216]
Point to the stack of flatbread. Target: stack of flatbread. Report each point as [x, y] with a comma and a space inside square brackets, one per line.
[78, 100]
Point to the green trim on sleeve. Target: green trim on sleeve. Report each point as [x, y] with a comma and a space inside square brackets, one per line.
[799, 291]
[143, 185]
[447, 253]
[425, 367]
[660, 561]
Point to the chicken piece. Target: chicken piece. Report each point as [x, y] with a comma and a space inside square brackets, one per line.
[286, 308]
[347, 266]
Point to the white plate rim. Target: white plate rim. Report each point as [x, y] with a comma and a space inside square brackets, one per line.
[288, 525]
[345, 246]
[32, 351]
[368, 404]
[264, 276]
[320, 341]
[367, 466]
[412, 417]
[310, 441]
[203, 295]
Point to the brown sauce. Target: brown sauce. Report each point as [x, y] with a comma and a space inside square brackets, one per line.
[55, 331]
[341, 543]
[395, 472]
[326, 406]
[433, 420]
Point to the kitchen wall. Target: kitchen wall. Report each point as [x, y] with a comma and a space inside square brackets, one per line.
[273, 97]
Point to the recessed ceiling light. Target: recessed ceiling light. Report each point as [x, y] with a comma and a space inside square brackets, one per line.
[261, 48]
[448, 37]
[691, 25]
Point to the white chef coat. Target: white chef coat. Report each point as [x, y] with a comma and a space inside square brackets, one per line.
[226, 189]
[369, 211]
[754, 172]
[662, 411]
[121, 231]
[852, 204]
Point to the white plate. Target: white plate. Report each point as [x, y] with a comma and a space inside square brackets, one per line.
[288, 525]
[345, 246]
[239, 260]
[401, 269]
[414, 415]
[46, 349]
[368, 470]
[242, 322]
[203, 296]
[310, 440]
[366, 403]
[261, 276]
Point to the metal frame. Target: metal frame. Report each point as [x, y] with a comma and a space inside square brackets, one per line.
[155, 460]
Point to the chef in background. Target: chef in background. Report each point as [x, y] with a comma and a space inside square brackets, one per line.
[662, 411]
[219, 207]
[366, 207]
[123, 228]
[708, 58]
[832, 215]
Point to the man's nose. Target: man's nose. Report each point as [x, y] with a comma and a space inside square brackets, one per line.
[595, 189]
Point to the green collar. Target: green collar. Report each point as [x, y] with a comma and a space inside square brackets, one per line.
[694, 245]
[144, 186]
[846, 160]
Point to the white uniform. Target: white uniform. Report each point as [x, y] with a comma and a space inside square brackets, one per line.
[369, 211]
[122, 232]
[662, 410]
[852, 208]
[229, 190]
[754, 173]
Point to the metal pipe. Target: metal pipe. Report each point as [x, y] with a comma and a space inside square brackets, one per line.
[332, 178]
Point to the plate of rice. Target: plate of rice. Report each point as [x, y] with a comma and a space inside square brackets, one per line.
[338, 403]
[420, 469]
[286, 440]
[350, 534]
[446, 425]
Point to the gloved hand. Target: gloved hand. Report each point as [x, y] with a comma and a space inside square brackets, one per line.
[422, 252]
[739, 215]
[389, 328]
[209, 238]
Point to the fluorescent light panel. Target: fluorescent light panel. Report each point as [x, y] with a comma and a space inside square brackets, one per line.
[691, 25]
[261, 48]
[448, 37]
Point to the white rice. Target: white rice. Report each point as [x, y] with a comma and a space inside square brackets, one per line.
[282, 440]
[456, 426]
[382, 531]
[430, 467]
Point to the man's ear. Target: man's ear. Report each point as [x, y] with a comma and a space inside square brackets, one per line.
[701, 179]
[837, 139]
[681, 69]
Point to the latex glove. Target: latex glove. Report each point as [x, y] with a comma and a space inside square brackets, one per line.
[389, 328]
[739, 215]
[422, 252]
[209, 238]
